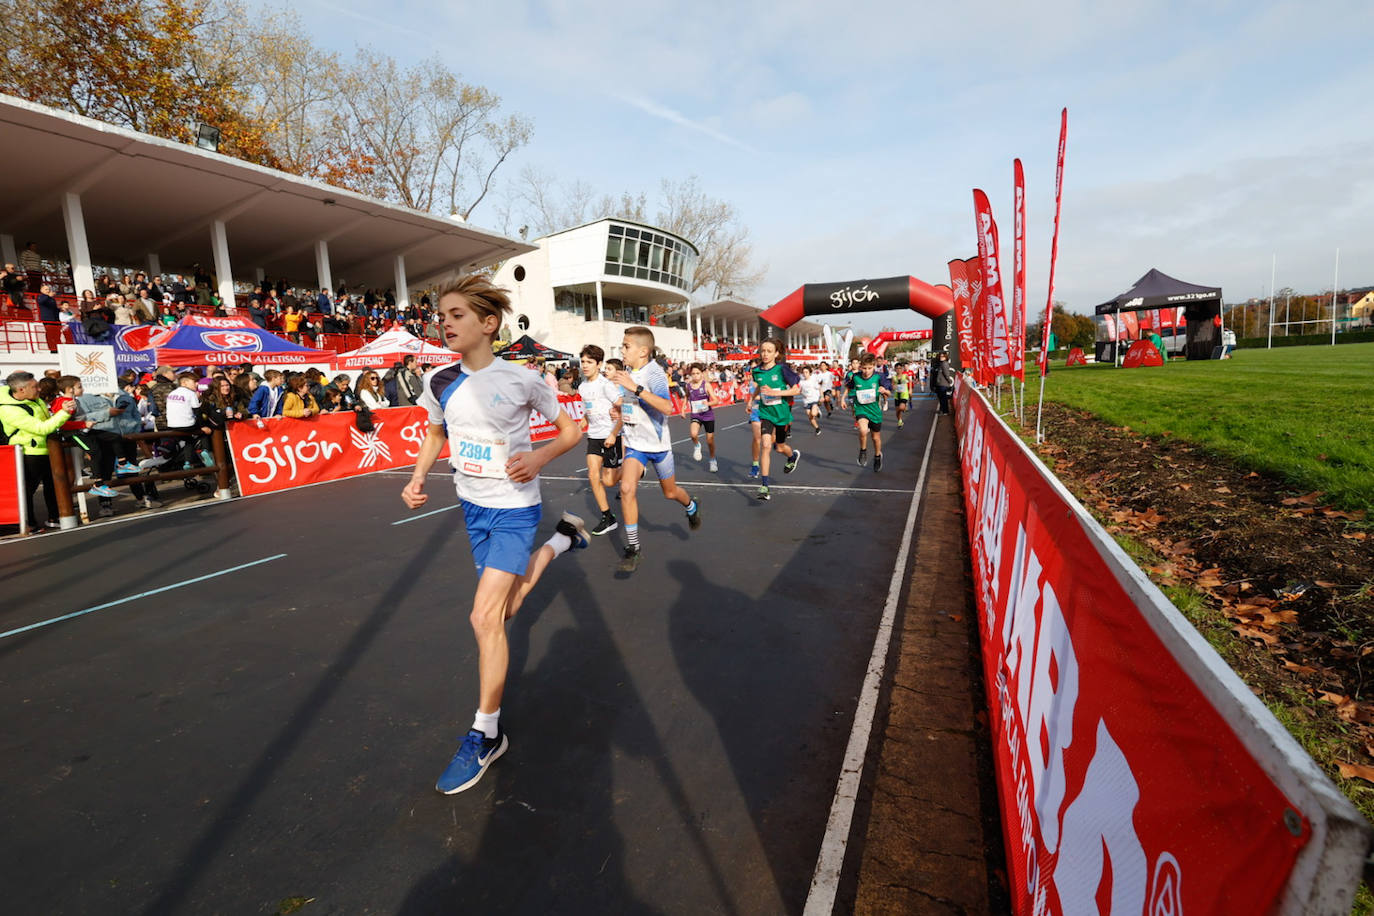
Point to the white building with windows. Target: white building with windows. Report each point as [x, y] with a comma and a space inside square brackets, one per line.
[589, 283]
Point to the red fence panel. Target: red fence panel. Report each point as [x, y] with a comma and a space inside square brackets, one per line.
[1136, 773]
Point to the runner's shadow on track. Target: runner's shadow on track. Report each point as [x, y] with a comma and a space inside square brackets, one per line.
[549, 842]
[237, 802]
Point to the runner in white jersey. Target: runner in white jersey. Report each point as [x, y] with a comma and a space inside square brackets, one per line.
[600, 396]
[481, 408]
[810, 385]
[645, 405]
[827, 378]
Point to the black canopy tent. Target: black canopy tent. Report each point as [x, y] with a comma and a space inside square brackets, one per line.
[526, 347]
[1155, 290]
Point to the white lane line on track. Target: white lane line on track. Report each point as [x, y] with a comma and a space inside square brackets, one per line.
[773, 488]
[165, 588]
[416, 518]
[825, 882]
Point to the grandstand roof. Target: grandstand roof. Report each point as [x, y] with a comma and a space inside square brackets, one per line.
[142, 194]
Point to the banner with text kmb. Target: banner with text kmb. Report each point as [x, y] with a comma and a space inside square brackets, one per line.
[1123, 788]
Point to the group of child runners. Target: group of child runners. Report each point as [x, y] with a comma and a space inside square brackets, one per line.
[480, 406]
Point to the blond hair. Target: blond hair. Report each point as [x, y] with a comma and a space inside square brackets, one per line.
[482, 296]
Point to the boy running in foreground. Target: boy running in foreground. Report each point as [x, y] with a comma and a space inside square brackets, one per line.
[644, 409]
[777, 384]
[599, 395]
[866, 387]
[485, 405]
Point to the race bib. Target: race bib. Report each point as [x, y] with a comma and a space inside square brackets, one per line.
[630, 410]
[866, 395]
[477, 455]
[587, 410]
[770, 399]
[700, 406]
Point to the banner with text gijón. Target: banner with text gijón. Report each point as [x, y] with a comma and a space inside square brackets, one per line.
[963, 313]
[1122, 788]
[282, 452]
[11, 493]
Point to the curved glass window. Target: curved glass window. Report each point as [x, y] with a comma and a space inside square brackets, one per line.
[648, 255]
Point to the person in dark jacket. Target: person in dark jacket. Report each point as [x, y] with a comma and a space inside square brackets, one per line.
[164, 381]
[51, 315]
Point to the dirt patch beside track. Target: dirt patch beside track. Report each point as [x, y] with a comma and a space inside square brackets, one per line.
[1281, 584]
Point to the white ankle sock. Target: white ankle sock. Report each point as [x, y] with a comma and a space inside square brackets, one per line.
[559, 543]
[487, 723]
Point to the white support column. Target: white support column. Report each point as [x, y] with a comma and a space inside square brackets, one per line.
[736, 333]
[698, 340]
[600, 310]
[688, 325]
[402, 288]
[83, 277]
[154, 264]
[224, 271]
[713, 327]
[322, 266]
[8, 251]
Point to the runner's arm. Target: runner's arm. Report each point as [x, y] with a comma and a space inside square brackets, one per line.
[525, 466]
[413, 494]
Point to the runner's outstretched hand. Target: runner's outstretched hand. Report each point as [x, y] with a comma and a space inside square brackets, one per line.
[413, 495]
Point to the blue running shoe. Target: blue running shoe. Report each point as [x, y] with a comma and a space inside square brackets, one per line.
[101, 490]
[574, 528]
[475, 754]
[754, 472]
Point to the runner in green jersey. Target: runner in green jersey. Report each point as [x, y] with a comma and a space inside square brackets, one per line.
[901, 390]
[776, 385]
[866, 389]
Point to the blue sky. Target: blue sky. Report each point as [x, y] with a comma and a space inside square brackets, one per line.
[1204, 137]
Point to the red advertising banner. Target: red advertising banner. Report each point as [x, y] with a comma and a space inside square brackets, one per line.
[1122, 787]
[1142, 353]
[963, 313]
[12, 508]
[994, 306]
[1054, 244]
[281, 453]
[1017, 328]
[1076, 357]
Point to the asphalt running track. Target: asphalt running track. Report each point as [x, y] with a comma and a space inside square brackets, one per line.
[234, 740]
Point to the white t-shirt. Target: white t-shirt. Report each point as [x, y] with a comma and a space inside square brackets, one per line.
[598, 397]
[810, 389]
[181, 407]
[646, 428]
[488, 420]
[827, 380]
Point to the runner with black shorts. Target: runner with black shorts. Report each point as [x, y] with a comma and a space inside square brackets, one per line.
[811, 397]
[901, 390]
[777, 384]
[701, 401]
[599, 394]
[866, 388]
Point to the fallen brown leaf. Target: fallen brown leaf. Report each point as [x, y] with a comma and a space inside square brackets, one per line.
[1356, 771]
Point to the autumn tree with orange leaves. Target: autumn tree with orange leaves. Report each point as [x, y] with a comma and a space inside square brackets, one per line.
[125, 62]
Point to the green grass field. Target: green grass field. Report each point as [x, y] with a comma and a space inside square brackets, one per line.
[1305, 414]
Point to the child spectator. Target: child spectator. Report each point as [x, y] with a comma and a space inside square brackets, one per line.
[268, 400]
[183, 414]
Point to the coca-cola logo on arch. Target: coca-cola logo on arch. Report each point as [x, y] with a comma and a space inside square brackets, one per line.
[239, 341]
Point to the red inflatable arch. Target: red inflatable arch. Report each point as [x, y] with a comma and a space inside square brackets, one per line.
[819, 299]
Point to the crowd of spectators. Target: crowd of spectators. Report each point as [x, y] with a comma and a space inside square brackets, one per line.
[136, 298]
[193, 403]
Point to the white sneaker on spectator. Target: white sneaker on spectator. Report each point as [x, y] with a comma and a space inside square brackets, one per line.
[150, 503]
[156, 461]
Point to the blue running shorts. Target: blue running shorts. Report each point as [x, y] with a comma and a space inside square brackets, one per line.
[662, 461]
[501, 538]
